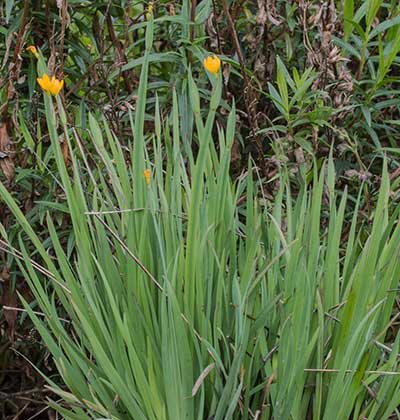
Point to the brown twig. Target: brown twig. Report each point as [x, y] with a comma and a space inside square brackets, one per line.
[16, 61]
[192, 19]
[16, 309]
[216, 27]
[21, 394]
[21, 31]
[265, 393]
[368, 372]
[64, 7]
[120, 52]
[47, 14]
[249, 97]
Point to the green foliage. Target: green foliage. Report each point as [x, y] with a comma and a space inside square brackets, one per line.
[218, 290]
[182, 303]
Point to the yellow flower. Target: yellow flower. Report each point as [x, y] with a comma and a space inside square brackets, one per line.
[147, 175]
[212, 63]
[33, 50]
[52, 85]
[149, 11]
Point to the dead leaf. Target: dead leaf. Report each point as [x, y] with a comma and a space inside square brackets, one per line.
[52, 415]
[65, 152]
[172, 9]
[226, 72]
[6, 154]
[51, 63]
[261, 17]
[395, 174]
[8, 46]
[21, 79]
[235, 152]
[299, 155]
[8, 299]
[201, 378]
[273, 13]
[212, 31]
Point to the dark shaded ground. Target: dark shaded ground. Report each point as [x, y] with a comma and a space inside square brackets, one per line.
[23, 396]
[23, 392]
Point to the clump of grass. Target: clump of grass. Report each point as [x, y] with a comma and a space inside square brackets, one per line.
[187, 299]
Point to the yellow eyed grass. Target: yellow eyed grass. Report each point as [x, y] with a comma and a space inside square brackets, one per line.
[50, 85]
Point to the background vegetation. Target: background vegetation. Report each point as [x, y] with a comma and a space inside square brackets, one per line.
[278, 266]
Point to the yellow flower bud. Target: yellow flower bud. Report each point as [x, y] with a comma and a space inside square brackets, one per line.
[212, 63]
[33, 50]
[149, 11]
[147, 175]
